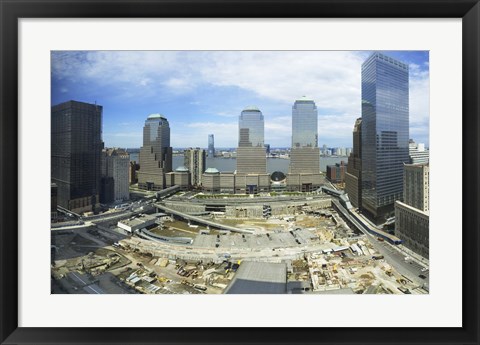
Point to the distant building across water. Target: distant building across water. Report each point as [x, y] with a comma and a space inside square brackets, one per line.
[211, 145]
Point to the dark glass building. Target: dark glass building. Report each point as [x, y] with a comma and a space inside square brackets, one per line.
[76, 148]
[353, 176]
[385, 133]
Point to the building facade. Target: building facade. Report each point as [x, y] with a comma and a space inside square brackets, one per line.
[251, 156]
[353, 176]
[305, 153]
[412, 226]
[385, 133]
[416, 186]
[76, 148]
[211, 181]
[412, 215]
[336, 173]
[194, 161]
[133, 172]
[107, 192]
[211, 145]
[116, 164]
[181, 177]
[155, 154]
[53, 201]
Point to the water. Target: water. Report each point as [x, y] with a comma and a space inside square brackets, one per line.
[229, 164]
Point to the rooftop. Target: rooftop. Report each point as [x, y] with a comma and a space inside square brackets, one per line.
[211, 171]
[251, 108]
[259, 278]
[156, 116]
[181, 169]
[137, 221]
[304, 99]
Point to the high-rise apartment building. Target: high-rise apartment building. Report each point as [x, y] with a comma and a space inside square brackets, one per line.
[385, 133]
[251, 157]
[194, 161]
[353, 176]
[116, 164]
[211, 145]
[155, 154]
[76, 148]
[305, 153]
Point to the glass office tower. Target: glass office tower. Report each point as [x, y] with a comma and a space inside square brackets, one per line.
[305, 153]
[76, 149]
[251, 128]
[304, 123]
[251, 156]
[211, 145]
[155, 154]
[385, 133]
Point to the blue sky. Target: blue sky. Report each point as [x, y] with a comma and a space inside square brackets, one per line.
[203, 92]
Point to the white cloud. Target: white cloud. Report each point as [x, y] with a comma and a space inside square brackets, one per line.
[331, 78]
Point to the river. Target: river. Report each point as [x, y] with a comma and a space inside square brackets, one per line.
[229, 164]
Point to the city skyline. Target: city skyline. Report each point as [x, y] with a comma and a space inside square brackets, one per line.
[239, 230]
[209, 90]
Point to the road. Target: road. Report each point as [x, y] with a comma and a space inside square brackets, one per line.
[393, 256]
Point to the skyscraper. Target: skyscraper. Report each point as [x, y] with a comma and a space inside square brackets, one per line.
[211, 145]
[115, 164]
[305, 153]
[194, 161]
[155, 154]
[385, 133]
[76, 148]
[251, 157]
[353, 177]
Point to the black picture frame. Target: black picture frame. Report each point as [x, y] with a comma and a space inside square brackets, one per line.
[11, 11]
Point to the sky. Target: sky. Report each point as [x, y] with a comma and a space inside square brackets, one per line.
[204, 92]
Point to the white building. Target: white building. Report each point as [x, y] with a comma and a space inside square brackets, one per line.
[418, 154]
[135, 223]
[116, 163]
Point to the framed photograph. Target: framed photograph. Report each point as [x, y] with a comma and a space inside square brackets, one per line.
[226, 172]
